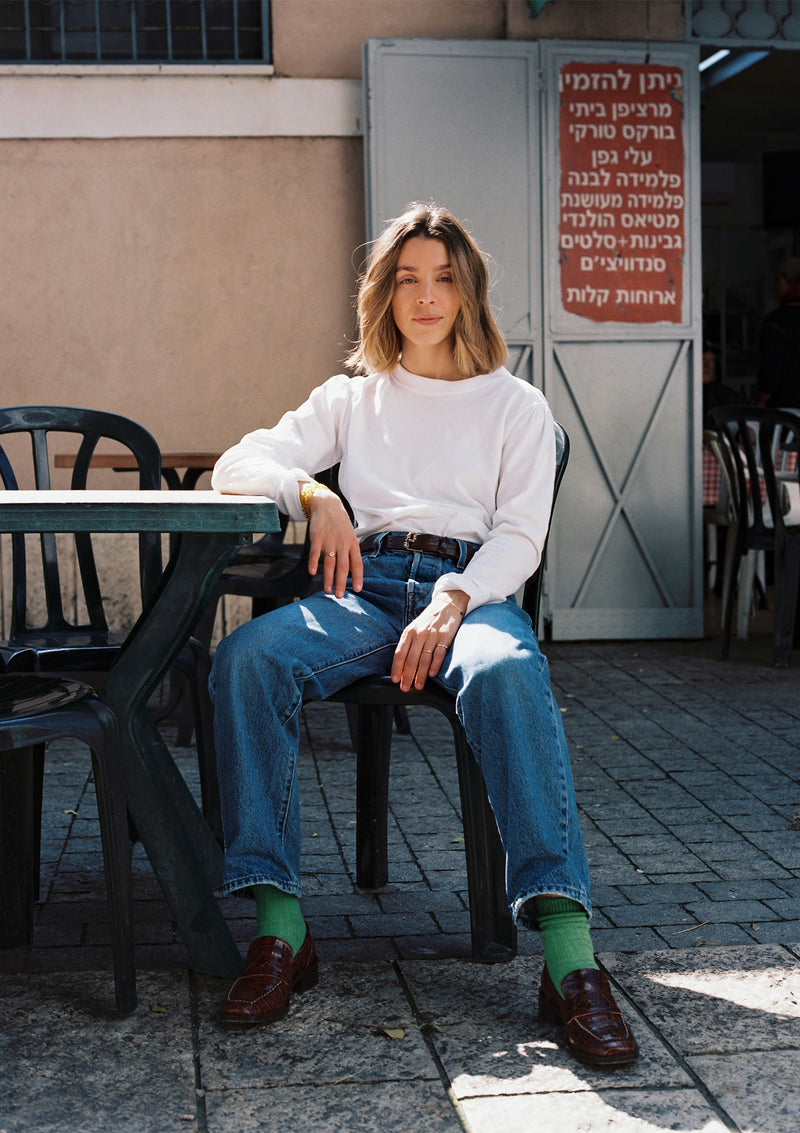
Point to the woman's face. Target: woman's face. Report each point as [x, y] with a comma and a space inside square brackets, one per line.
[425, 302]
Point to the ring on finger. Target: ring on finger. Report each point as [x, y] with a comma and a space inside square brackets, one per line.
[332, 554]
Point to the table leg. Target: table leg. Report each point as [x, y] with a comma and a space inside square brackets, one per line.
[17, 850]
[184, 853]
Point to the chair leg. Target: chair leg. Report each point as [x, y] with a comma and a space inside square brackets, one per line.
[112, 810]
[494, 935]
[732, 560]
[185, 663]
[787, 579]
[352, 713]
[38, 794]
[401, 720]
[203, 714]
[373, 753]
[17, 847]
[747, 574]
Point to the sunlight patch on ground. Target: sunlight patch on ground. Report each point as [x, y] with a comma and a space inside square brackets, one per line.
[773, 990]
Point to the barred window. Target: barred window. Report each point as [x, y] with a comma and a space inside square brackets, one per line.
[134, 31]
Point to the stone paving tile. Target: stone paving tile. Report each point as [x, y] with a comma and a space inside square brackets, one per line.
[490, 1042]
[626, 939]
[630, 916]
[731, 911]
[596, 1111]
[790, 885]
[759, 1090]
[750, 868]
[742, 890]
[417, 900]
[703, 934]
[665, 891]
[419, 1107]
[335, 1033]
[781, 932]
[394, 924]
[749, 1000]
[67, 1064]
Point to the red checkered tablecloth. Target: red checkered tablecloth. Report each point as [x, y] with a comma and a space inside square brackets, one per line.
[712, 474]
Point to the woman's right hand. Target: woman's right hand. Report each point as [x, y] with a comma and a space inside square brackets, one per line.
[333, 541]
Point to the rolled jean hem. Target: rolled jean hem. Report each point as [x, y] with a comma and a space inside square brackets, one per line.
[549, 891]
[259, 879]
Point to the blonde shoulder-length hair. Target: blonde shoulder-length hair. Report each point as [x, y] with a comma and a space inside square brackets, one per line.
[479, 345]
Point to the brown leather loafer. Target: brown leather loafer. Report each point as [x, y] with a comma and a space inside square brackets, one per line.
[597, 1034]
[271, 975]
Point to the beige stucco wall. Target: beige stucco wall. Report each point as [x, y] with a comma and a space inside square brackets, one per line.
[201, 286]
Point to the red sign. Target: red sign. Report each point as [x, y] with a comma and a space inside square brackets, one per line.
[622, 200]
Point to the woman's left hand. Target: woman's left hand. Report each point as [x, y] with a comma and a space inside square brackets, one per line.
[424, 642]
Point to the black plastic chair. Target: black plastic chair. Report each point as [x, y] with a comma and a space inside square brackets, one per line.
[270, 572]
[34, 710]
[62, 643]
[754, 445]
[375, 698]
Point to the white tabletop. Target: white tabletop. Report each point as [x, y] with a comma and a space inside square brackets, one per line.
[134, 510]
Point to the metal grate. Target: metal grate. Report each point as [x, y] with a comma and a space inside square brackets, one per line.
[743, 23]
[134, 31]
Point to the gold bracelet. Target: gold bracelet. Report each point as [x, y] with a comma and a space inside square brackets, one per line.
[306, 492]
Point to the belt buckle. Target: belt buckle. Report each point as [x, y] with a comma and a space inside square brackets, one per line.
[409, 541]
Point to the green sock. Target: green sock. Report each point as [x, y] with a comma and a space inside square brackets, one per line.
[564, 928]
[279, 914]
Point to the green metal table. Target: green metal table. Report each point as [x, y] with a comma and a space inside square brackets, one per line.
[184, 854]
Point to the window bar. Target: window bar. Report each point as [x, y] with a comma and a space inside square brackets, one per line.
[134, 40]
[168, 18]
[62, 20]
[97, 33]
[27, 30]
[235, 33]
[203, 35]
[265, 44]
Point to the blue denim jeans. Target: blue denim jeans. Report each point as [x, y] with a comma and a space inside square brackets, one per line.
[267, 668]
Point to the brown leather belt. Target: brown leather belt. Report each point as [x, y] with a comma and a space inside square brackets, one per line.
[424, 544]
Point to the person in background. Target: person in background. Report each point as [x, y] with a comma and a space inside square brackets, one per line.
[778, 370]
[448, 462]
[714, 392]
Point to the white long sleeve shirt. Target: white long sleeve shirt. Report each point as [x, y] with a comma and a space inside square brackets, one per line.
[471, 459]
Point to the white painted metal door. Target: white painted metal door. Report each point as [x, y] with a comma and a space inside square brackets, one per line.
[575, 165]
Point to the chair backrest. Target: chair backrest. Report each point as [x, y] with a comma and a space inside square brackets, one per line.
[39, 422]
[721, 512]
[753, 444]
[779, 443]
[532, 593]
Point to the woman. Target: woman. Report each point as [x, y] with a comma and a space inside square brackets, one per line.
[437, 439]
